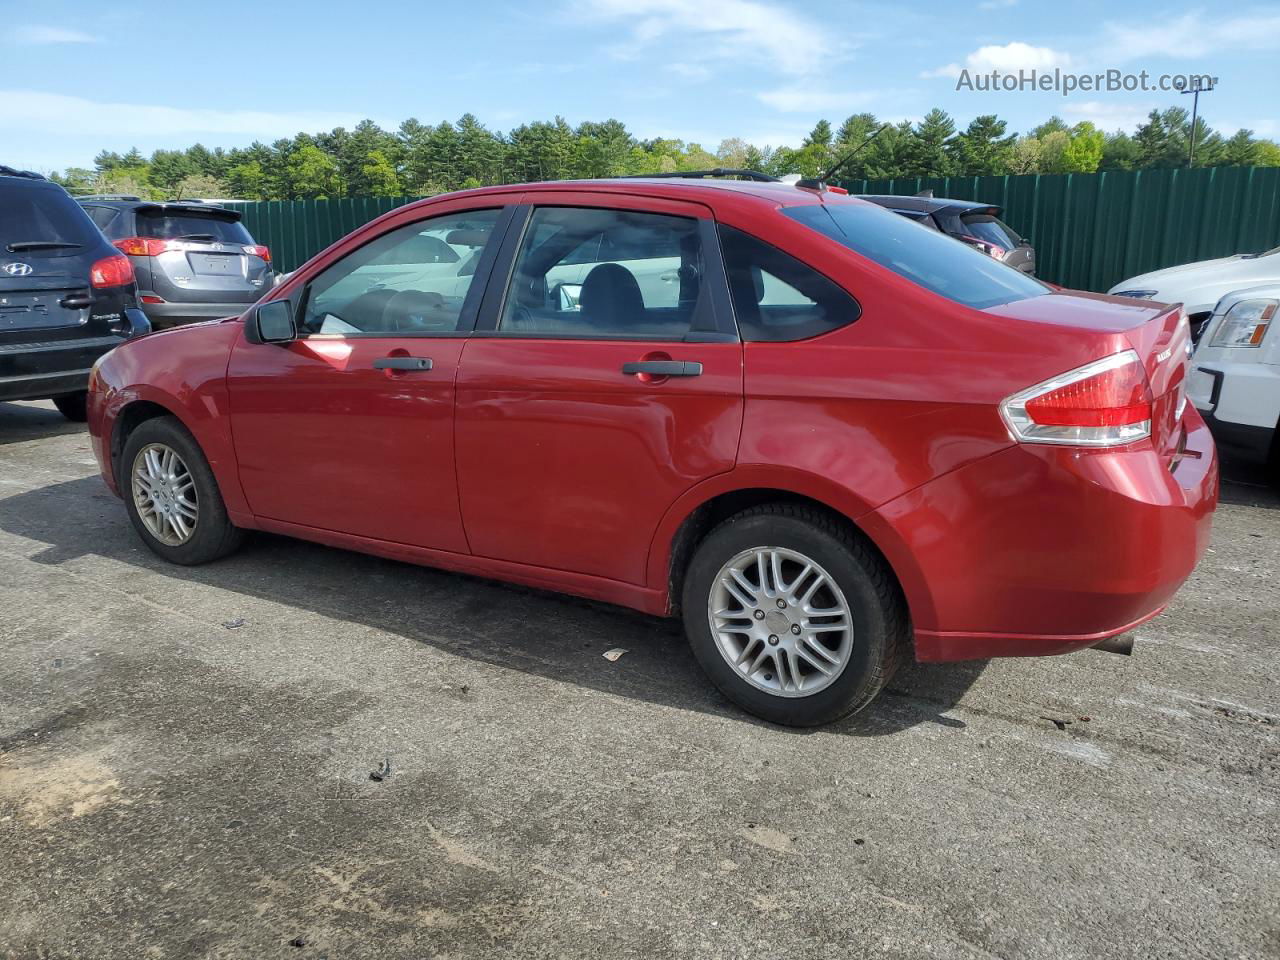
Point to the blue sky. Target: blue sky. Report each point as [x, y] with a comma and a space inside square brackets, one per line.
[80, 76]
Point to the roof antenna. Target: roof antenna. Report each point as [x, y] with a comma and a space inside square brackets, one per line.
[820, 181]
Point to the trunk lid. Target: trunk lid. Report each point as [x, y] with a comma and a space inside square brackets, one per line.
[35, 303]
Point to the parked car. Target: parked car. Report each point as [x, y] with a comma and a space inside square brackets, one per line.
[976, 224]
[66, 295]
[1198, 286]
[194, 260]
[826, 438]
[1235, 374]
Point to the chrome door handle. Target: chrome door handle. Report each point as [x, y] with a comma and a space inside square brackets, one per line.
[402, 363]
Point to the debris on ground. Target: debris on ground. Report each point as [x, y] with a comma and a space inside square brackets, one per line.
[614, 654]
[1060, 724]
[382, 773]
[234, 624]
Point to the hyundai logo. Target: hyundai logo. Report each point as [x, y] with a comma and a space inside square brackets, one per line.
[18, 269]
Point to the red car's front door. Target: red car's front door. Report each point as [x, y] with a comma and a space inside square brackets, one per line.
[568, 454]
[349, 428]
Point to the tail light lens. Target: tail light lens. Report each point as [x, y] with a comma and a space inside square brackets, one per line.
[258, 250]
[114, 271]
[142, 246]
[1102, 404]
[1245, 324]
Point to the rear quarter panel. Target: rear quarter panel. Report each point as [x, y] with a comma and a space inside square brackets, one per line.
[184, 371]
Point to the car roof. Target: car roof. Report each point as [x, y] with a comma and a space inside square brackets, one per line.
[928, 204]
[703, 190]
[162, 206]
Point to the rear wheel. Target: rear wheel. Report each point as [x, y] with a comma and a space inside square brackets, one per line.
[793, 617]
[73, 406]
[172, 497]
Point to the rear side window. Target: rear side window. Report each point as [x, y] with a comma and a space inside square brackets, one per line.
[43, 214]
[589, 273]
[933, 260]
[775, 296]
[102, 216]
[191, 227]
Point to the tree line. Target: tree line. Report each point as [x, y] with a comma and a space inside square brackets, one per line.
[420, 159]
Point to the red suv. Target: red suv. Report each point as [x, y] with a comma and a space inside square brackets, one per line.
[825, 436]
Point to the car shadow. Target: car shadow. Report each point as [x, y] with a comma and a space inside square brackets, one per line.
[547, 634]
[33, 420]
[1248, 484]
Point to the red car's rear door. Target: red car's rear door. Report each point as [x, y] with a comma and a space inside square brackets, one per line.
[350, 427]
[568, 455]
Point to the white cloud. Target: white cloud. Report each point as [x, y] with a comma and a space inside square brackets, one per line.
[806, 99]
[1009, 58]
[37, 35]
[753, 31]
[1191, 35]
[40, 113]
[1109, 116]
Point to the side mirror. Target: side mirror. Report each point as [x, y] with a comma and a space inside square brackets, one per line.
[271, 322]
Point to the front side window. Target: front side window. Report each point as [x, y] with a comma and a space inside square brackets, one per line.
[412, 280]
[936, 262]
[775, 296]
[616, 274]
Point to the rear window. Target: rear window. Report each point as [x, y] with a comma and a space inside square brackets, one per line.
[43, 214]
[936, 262]
[992, 230]
[168, 226]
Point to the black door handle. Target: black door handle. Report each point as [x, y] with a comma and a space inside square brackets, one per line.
[402, 363]
[664, 368]
[76, 301]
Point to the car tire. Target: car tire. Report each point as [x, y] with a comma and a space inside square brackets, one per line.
[857, 580]
[191, 498]
[73, 406]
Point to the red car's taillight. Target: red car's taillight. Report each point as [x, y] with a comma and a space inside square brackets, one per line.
[142, 246]
[1102, 404]
[114, 271]
[258, 250]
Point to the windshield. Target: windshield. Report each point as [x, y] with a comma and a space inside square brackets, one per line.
[42, 214]
[177, 226]
[936, 262]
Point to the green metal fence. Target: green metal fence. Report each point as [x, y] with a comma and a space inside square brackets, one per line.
[1093, 230]
[1090, 230]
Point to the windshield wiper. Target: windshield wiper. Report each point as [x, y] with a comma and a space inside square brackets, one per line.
[40, 245]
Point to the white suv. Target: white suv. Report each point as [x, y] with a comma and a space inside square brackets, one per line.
[1235, 372]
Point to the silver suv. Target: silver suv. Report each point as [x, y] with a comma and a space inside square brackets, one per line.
[194, 261]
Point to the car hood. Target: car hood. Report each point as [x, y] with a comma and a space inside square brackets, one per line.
[1200, 285]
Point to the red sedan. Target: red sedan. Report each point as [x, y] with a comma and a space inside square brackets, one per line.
[826, 437]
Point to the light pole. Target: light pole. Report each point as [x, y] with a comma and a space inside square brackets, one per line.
[1195, 88]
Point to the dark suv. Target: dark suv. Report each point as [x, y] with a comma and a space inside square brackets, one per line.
[977, 224]
[67, 296]
[194, 261]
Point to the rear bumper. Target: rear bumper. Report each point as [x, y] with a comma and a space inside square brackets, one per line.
[172, 314]
[1042, 550]
[37, 371]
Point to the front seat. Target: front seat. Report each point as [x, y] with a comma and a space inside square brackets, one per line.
[611, 297]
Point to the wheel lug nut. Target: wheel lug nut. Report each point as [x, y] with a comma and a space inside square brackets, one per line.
[759, 614]
[795, 628]
[773, 640]
[782, 604]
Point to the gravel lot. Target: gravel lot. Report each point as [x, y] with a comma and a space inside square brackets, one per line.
[185, 759]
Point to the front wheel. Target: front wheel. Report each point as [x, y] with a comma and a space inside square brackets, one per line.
[73, 406]
[793, 617]
[172, 496]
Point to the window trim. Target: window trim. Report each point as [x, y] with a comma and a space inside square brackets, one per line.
[724, 327]
[469, 313]
[839, 286]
